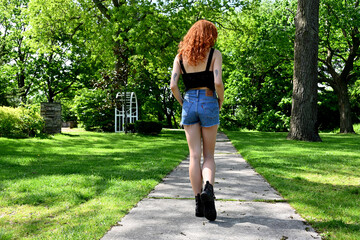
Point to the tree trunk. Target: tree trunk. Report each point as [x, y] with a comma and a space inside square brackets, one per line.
[168, 120]
[346, 125]
[21, 87]
[304, 99]
[121, 70]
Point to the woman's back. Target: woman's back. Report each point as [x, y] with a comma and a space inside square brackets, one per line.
[200, 67]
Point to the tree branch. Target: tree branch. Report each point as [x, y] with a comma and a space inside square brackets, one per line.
[329, 68]
[116, 3]
[75, 30]
[343, 29]
[349, 64]
[65, 88]
[292, 12]
[102, 9]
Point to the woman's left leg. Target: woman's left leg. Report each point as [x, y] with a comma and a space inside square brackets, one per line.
[209, 140]
[208, 171]
[193, 136]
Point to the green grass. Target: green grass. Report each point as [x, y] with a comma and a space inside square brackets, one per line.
[356, 129]
[77, 185]
[320, 180]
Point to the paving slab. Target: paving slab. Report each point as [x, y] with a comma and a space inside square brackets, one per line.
[248, 207]
[235, 180]
[174, 219]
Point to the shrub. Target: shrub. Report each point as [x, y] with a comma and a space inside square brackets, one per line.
[148, 127]
[273, 121]
[131, 127]
[10, 122]
[20, 122]
[32, 122]
[94, 111]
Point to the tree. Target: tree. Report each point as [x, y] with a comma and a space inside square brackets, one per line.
[5, 26]
[257, 44]
[57, 36]
[304, 105]
[15, 54]
[144, 37]
[339, 53]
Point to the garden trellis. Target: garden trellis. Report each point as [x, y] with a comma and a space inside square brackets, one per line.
[128, 110]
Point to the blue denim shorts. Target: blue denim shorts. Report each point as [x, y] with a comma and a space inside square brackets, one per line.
[199, 108]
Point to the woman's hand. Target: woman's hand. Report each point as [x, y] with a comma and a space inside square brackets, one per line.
[220, 103]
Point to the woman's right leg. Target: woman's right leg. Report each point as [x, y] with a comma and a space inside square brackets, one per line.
[208, 171]
[193, 136]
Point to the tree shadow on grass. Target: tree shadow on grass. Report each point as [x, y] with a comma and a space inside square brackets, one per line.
[103, 156]
[93, 165]
[70, 135]
[328, 207]
[286, 165]
[269, 150]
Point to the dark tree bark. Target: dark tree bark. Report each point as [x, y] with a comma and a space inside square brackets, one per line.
[304, 99]
[346, 125]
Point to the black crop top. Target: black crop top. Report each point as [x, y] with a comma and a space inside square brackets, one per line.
[199, 79]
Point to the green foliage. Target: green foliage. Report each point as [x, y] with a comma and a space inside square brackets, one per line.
[4, 235]
[355, 101]
[10, 122]
[67, 111]
[3, 93]
[73, 45]
[58, 35]
[357, 128]
[16, 59]
[32, 122]
[20, 122]
[93, 110]
[257, 43]
[339, 65]
[152, 69]
[320, 180]
[148, 127]
[273, 121]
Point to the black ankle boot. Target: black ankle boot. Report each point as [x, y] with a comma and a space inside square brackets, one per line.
[208, 199]
[199, 207]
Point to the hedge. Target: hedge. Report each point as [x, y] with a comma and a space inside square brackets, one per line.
[148, 127]
[20, 122]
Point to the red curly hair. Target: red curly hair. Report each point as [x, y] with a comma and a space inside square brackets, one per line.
[196, 43]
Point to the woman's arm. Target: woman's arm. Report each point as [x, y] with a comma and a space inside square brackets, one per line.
[174, 80]
[219, 86]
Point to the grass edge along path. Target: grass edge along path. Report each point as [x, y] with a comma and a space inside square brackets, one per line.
[320, 180]
[77, 185]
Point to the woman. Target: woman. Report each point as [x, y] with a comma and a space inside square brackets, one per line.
[200, 66]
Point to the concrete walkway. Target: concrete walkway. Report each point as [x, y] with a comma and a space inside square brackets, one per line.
[247, 206]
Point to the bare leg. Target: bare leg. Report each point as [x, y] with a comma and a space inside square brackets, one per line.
[209, 140]
[193, 136]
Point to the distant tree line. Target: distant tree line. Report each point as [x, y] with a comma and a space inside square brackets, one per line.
[81, 53]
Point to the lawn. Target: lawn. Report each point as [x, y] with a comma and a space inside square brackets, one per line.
[320, 180]
[77, 185]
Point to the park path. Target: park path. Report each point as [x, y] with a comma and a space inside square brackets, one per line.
[248, 207]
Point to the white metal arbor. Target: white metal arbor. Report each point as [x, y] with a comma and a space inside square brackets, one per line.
[128, 103]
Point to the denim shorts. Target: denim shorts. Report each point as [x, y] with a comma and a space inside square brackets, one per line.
[199, 108]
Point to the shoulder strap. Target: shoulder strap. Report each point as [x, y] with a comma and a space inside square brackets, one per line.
[209, 59]
[182, 65]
